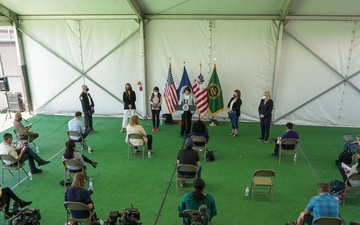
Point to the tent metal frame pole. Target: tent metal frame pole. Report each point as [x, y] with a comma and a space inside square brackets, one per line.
[344, 79]
[277, 59]
[142, 64]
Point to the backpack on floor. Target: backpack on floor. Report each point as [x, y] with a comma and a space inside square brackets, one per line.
[167, 117]
[336, 186]
[210, 155]
[345, 157]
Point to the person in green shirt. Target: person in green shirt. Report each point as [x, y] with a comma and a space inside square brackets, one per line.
[197, 200]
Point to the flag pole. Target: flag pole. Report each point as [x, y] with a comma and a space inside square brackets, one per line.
[212, 117]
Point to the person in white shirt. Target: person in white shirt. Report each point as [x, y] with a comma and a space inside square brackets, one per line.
[134, 127]
[21, 153]
[76, 124]
[71, 154]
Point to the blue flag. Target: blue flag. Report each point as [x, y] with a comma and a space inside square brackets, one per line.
[184, 82]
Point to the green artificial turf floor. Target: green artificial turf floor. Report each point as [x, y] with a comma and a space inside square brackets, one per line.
[149, 184]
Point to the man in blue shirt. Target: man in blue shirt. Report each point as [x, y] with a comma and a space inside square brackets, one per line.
[289, 134]
[322, 205]
[77, 125]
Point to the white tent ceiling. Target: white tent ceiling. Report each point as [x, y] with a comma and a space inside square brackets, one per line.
[262, 44]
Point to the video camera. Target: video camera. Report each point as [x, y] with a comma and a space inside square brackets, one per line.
[193, 217]
[24, 216]
[129, 216]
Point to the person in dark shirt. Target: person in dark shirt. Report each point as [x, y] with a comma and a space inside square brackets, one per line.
[88, 105]
[265, 113]
[129, 99]
[189, 156]
[199, 129]
[234, 112]
[289, 134]
[76, 193]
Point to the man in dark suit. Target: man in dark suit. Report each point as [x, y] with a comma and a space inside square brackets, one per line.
[87, 104]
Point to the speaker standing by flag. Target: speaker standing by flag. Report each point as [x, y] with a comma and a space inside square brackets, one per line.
[185, 81]
[170, 92]
[200, 94]
[214, 93]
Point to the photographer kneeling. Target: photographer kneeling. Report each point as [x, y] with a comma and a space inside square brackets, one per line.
[197, 200]
[76, 193]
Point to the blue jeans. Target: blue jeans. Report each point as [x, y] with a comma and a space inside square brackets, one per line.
[235, 123]
[30, 156]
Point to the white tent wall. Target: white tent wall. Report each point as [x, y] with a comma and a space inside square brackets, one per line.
[244, 51]
[316, 57]
[62, 55]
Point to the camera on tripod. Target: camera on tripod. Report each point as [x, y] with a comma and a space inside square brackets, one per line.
[195, 217]
[129, 216]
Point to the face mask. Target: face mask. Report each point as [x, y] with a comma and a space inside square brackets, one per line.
[20, 119]
[127, 88]
[263, 97]
[155, 93]
[234, 95]
[87, 89]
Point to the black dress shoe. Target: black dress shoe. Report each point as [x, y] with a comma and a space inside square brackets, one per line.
[24, 203]
[36, 170]
[8, 215]
[43, 162]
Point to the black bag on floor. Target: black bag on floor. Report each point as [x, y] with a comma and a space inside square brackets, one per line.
[168, 119]
[210, 155]
[68, 182]
[336, 186]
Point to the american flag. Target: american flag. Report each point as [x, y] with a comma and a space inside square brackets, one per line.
[200, 94]
[170, 92]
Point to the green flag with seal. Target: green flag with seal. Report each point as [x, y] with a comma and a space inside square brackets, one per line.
[215, 99]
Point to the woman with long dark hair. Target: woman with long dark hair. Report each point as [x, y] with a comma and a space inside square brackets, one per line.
[129, 99]
[71, 154]
[198, 198]
[199, 129]
[234, 112]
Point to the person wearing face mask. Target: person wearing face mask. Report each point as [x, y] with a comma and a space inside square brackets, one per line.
[19, 126]
[155, 105]
[88, 105]
[129, 99]
[234, 112]
[71, 154]
[189, 99]
[265, 109]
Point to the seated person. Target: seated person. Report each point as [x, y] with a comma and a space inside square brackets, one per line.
[21, 153]
[134, 127]
[19, 126]
[353, 146]
[76, 124]
[346, 171]
[199, 129]
[76, 193]
[5, 195]
[71, 154]
[322, 205]
[197, 198]
[189, 156]
[289, 134]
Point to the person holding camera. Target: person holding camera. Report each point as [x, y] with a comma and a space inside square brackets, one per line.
[186, 99]
[197, 200]
[77, 193]
[6, 194]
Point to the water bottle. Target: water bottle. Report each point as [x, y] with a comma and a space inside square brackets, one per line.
[247, 190]
[101, 221]
[37, 149]
[91, 185]
[30, 175]
[89, 149]
[161, 121]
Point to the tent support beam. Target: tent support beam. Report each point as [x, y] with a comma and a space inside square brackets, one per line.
[285, 9]
[344, 79]
[78, 17]
[136, 8]
[13, 17]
